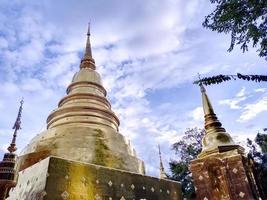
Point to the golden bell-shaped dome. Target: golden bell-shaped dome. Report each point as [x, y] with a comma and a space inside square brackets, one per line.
[87, 75]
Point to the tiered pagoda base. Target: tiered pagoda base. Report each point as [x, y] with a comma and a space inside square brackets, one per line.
[57, 178]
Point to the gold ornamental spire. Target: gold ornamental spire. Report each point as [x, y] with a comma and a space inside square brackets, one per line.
[211, 121]
[162, 174]
[12, 147]
[216, 136]
[88, 61]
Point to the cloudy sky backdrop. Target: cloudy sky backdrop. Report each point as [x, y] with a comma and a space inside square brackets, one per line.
[148, 53]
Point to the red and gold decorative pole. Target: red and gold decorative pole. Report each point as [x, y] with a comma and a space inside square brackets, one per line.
[8, 172]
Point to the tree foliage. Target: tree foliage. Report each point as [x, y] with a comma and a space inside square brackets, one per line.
[254, 153]
[187, 149]
[189, 146]
[260, 161]
[245, 20]
[261, 140]
[222, 78]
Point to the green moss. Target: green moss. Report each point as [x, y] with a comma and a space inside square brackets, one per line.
[223, 138]
[103, 155]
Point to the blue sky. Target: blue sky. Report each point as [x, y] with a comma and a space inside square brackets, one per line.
[148, 53]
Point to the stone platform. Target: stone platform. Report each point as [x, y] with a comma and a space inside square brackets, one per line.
[56, 178]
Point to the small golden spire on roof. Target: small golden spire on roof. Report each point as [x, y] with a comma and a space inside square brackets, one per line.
[162, 174]
[88, 61]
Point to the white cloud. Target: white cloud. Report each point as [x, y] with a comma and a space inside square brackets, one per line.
[242, 101]
[260, 90]
[234, 102]
[9, 88]
[197, 114]
[4, 147]
[253, 109]
[31, 85]
[241, 93]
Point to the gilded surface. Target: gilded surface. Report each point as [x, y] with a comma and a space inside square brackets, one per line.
[215, 134]
[101, 146]
[83, 127]
[56, 178]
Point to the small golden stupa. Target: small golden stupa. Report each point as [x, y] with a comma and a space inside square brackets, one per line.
[216, 136]
[221, 171]
[82, 155]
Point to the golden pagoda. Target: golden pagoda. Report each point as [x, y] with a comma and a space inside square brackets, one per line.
[82, 154]
[221, 171]
[83, 127]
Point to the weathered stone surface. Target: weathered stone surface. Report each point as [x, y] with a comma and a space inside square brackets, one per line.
[57, 178]
[222, 176]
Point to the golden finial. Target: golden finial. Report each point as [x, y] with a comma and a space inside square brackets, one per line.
[202, 89]
[88, 61]
[207, 107]
[12, 147]
[162, 174]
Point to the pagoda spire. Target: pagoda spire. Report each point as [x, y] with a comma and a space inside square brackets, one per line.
[162, 173]
[88, 61]
[211, 121]
[8, 171]
[216, 135]
[17, 126]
